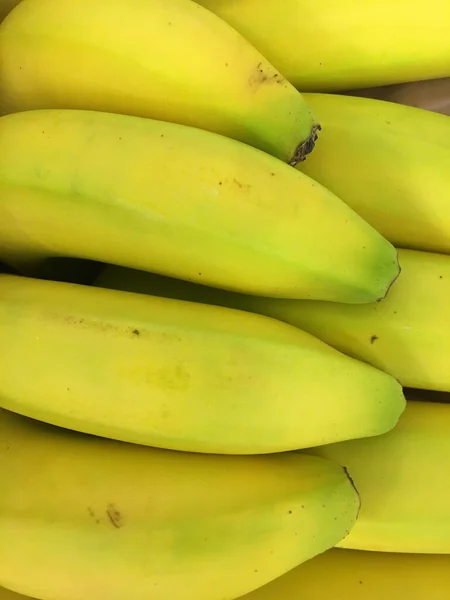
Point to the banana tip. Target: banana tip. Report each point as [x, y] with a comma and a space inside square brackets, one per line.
[306, 147]
[399, 270]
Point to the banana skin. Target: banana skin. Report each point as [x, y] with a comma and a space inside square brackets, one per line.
[402, 478]
[106, 520]
[370, 156]
[406, 335]
[180, 375]
[166, 59]
[354, 575]
[330, 46]
[182, 202]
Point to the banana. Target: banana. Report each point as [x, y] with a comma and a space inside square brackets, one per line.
[347, 574]
[180, 375]
[106, 520]
[350, 574]
[369, 156]
[329, 46]
[378, 118]
[403, 481]
[406, 335]
[179, 201]
[166, 59]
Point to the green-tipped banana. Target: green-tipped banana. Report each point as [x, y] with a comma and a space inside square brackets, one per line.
[165, 59]
[83, 517]
[182, 202]
[180, 375]
[403, 480]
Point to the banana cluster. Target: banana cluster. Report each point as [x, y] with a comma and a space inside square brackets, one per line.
[224, 303]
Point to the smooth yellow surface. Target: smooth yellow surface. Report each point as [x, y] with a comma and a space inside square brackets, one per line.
[353, 575]
[180, 375]
[372, 116]
[403, 481]
[390, 163]
[182, 202]
[82, 517]
[325, 45]
[165, 59]
[407, 334]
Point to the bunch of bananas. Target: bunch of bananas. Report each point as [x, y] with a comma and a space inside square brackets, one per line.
[224, 303]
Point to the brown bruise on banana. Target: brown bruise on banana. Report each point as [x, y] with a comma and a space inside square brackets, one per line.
[305, 147]
[259, 77]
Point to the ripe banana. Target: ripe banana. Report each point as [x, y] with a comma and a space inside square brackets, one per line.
[328, 46]
[180, 375]
[406, 335]
[166, 59]
[182, 202]
[369, 156]
[403, 480]
[353, 575]
[377, 118]
[106, 520]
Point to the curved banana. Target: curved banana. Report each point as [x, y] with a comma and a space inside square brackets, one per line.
[180, 375]
[182, 202]
[353, 575]
[328, 46]
[406, 335]
[403, 480]
[165, 59]
[370, 157]
[106, 520]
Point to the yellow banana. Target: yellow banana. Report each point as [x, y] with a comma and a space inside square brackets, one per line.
[166, 59]
[369, 156]
[179, 201]
[377, 118]
[353, 575]
[180, 375]
[406, 335]
[403, 481]
[326, 45]
[347, 574]
[82, 517]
